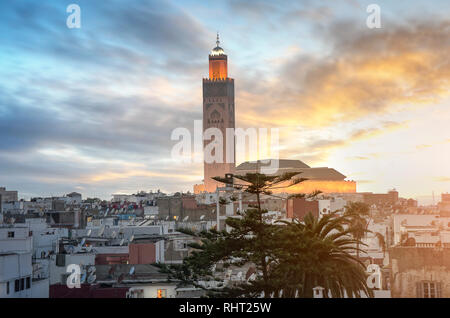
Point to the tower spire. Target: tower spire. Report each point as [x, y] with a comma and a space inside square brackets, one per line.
[217, 42]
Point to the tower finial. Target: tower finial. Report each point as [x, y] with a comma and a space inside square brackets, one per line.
[217, 42]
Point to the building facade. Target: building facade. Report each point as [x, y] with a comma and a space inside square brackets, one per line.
[219, 113]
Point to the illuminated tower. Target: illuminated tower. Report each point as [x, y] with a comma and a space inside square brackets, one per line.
[218, 112]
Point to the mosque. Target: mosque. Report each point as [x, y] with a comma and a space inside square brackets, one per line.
[219, 112]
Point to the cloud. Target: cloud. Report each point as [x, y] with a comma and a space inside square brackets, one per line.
[442, 179]
[362, 72]
[418, 147]
[317, 149]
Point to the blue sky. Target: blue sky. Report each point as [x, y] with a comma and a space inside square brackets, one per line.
[91, 109]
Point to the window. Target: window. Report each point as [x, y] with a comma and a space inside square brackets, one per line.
[16, 285]
[28, 283]
[7, 288]
[22, 283]
[427, 289]
[180, 245]
[11, 234]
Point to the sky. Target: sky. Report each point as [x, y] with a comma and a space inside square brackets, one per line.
[92, 109]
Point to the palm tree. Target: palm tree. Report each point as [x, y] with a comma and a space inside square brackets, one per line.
[319, 253]
[356, 213]
[382, 242]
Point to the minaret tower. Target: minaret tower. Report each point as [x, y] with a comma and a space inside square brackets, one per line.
[218, 112]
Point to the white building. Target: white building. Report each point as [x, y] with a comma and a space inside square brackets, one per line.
[16, 269]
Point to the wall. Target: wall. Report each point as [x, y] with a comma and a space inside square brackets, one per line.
[142, 253]
[21, 242]
[411, 265]
[15, 267]
[40, 288]
[325, 186]
[299, 207]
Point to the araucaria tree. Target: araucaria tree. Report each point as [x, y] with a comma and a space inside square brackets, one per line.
[289, 258]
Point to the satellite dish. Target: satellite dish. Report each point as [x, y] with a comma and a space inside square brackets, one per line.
[83, 241]
[122, 241]
[167, 218]
[89, 249]
[83, 277]
[106, 212]
[92, 279]
[132, 238]
[132, 270]
[202, 217]
[186, 218]
[239, 275]
[101, 231]
[89, 232]
[114, 234]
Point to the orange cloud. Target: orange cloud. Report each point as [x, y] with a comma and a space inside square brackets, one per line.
[368, 72]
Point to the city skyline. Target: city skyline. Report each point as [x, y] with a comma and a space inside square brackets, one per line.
[91, 110]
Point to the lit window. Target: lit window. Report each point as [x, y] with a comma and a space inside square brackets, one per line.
[162, 293]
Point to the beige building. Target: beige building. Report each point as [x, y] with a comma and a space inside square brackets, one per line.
[8, 196]
[420, 272]
[325, 179]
